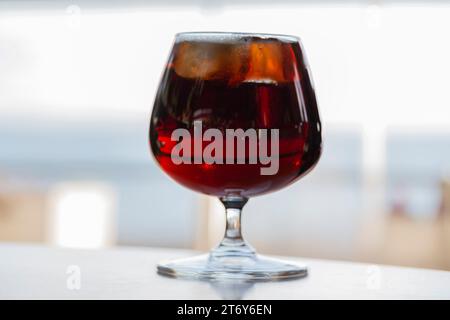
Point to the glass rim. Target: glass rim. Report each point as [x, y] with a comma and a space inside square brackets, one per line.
[223, 36]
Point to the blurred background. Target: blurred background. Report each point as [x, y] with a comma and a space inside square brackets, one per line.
[77, 82]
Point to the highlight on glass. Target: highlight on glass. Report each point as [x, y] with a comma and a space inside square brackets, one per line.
[235, 117]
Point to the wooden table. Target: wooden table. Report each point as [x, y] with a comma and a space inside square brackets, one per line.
[38, 272]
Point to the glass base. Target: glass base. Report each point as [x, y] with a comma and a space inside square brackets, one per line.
[233, 258]
[249, 267]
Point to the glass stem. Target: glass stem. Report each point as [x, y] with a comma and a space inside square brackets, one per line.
[233, 243]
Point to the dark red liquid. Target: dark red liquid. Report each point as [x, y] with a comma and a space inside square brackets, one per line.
[228, 101]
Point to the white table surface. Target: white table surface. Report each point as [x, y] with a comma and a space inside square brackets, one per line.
[39, 272]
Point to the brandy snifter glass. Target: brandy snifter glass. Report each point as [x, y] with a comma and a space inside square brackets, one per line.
[235, 116]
